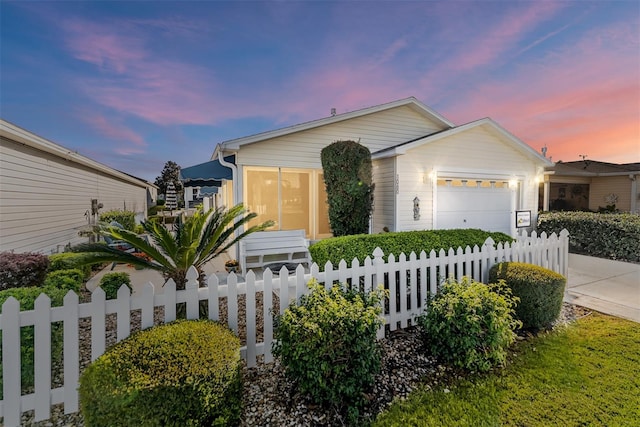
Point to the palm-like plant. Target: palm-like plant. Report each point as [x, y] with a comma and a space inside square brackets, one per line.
[196, 241]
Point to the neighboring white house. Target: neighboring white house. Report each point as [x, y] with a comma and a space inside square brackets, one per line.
[428, 173]
[49, 193]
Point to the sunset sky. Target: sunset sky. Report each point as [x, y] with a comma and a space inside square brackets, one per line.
[134, 84]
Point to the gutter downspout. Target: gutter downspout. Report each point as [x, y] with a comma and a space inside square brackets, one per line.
[234, 180]
[634, 193]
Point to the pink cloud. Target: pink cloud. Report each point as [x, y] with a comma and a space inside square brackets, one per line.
[118, 133]
[582, 100]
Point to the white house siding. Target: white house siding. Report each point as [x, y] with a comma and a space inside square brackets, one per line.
[475, 153]
[375, 131]
[44, 198]
[384, 195]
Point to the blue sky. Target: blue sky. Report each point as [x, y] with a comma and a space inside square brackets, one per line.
[134, 84]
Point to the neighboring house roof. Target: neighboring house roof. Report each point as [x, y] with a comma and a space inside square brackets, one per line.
[235, 144]
[15, 133]
[487, 123]
[593, 168]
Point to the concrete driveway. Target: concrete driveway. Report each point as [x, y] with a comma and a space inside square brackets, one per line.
[607, 286]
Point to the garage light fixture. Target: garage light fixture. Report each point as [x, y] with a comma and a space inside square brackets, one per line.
[513, 184]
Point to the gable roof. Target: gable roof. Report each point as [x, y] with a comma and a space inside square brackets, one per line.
[235, 144]
[436, 136]
[594, 168]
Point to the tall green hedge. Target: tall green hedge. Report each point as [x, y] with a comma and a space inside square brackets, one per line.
[125, 218]
[346, 167]
[361, 246]
[604, 235]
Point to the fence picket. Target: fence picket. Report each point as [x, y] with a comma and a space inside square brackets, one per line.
[98, 323]
[250, 310]
[406, 299]
[42, 357]
[72, 351]
[11, 363]
[267, 304]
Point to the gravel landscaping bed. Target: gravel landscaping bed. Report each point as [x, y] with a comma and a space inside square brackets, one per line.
[272, 400]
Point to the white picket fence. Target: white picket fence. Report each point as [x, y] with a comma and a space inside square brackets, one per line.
[408, 280]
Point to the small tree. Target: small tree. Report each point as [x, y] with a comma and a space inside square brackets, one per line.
[347, 176]
[170, 173]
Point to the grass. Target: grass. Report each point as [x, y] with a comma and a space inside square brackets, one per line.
[587, 374]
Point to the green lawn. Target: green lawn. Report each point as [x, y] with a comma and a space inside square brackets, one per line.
[587, 374]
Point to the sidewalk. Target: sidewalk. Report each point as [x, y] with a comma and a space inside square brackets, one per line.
[611, 287]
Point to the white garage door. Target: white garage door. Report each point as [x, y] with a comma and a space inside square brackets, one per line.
[484, 204]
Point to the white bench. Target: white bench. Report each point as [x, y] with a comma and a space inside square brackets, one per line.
[265, 247]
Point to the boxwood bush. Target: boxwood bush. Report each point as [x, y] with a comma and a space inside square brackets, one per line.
[327, 345]
[67, 261]
[469, 324]
[540, 291]
[68, 280]
[362, 245]
[604, 235]
[111, 282]
[22, 269]
[27, 297]
[185, 373]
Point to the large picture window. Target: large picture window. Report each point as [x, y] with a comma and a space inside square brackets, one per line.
[292, 198]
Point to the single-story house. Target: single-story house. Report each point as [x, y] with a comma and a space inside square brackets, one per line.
[428, 172]
[591, 185]
[48, 194]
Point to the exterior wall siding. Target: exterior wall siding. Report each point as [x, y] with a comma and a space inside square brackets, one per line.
[302, 149]
[384, 195]
[603, 186]
[44, 198]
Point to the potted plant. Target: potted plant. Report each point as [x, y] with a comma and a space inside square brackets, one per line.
[232, 266]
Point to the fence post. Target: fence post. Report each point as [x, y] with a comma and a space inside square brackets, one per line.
[564, 251]
[72, 352]
[488, 258]
[191, 289]
[11, 367]
[42, 357]
[378, 263]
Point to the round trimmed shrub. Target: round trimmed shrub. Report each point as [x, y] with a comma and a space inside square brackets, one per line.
[111, 282]
[327, 345]
[69, 280]
[539, 289]
[185, 373]
[469, 324]
[27, 297]
[67, 261]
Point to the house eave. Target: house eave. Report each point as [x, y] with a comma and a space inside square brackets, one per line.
[17, 134]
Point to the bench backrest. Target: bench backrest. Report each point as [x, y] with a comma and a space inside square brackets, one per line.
[274, 239]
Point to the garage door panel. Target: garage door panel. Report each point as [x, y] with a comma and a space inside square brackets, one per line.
[474, 207]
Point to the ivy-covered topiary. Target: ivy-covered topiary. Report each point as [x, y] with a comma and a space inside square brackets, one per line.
[540, 291]
[346, 167]
[111, 282]
[22, 269]
[361, 246]
[327, 345]
[469, 324]
[185, 373]
[27, 297]
[68, 280]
